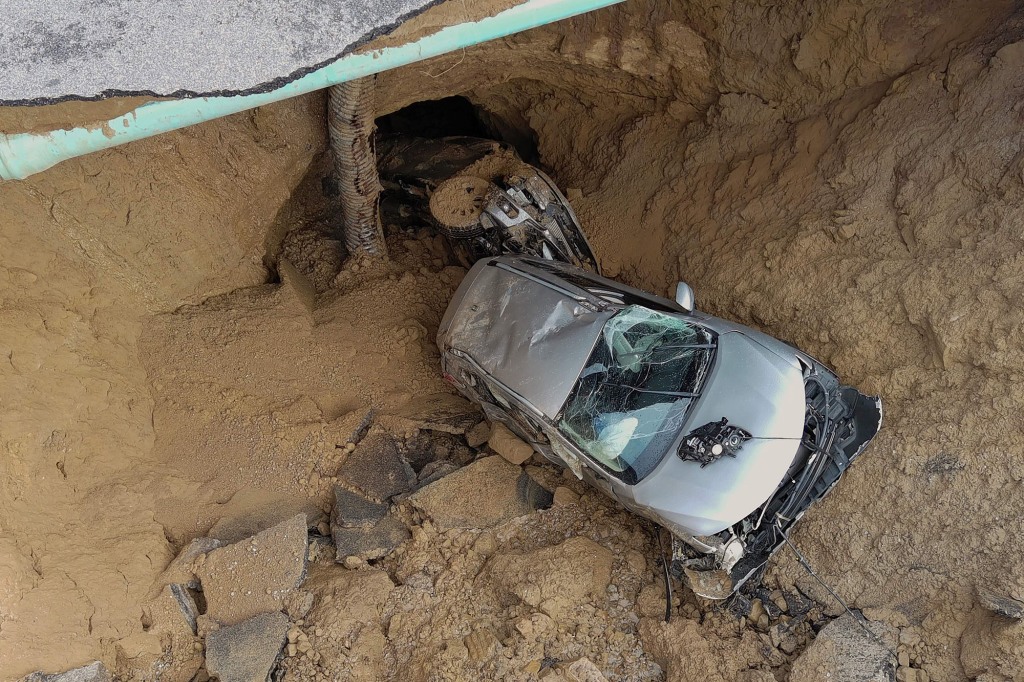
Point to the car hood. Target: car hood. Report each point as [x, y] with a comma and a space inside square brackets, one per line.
[530, 337]
[757, 390]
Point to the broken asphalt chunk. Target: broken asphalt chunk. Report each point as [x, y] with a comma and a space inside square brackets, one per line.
[371, 542]
[352, 510]
[483, 494]
[94, 672]
[246, 652]
[255, 575]
[377, 469]
[1008, 607]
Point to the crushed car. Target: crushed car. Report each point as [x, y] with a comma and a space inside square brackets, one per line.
[720, 433]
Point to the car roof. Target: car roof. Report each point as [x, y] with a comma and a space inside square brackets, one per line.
[526, 331]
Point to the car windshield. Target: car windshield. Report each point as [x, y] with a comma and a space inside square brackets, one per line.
[631, 399]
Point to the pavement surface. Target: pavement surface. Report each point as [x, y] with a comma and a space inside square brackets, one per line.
[92, 49]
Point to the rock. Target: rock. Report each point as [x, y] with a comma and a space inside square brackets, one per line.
[486, 493]
[255, 575]
[249, 512]
[1007, 607]
[352, 510]
[371, 542]
[443, 412]
[844, 652]
[377, 469]
[564, 496]
[478, 435]
[558, 578]
[181, 570]
[94, 672]
[584, 670]
[246, 652]
[509, 445]
[481, 644]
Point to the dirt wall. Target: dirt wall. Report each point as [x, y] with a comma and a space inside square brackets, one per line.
[847, 177]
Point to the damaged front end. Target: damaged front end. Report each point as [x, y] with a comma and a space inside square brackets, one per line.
[839, 423]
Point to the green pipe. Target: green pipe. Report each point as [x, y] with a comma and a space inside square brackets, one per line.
[24, 154]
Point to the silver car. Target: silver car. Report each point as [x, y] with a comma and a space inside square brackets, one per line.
[722, 434]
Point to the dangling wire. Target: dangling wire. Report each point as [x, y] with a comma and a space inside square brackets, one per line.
[668, 580]
[857, 619]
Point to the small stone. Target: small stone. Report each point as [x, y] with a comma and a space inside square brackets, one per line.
[564, 496]
[246, 652]
[906, 675]
[323, 528]
[903, 659]
[478, 435]
[584, 670]
[509, 445]
[353, 562]
[481, 644]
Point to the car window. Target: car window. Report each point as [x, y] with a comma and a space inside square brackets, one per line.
[632, 396]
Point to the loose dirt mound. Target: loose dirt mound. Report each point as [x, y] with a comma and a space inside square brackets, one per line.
[847, 177]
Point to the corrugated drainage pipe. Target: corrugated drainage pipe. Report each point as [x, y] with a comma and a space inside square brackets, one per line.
[23, 154]
[350, 120]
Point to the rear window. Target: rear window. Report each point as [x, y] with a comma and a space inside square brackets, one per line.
[633, 394]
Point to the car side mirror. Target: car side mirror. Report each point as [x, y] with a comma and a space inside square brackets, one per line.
[684, 296]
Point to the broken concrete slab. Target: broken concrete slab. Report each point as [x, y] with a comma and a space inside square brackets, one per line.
[844, 652]
[486, 493]
[246, 652]
[509, 445]
[255, 575]
[94, 672]
[376, 468]
[371, 542]
[250, 511]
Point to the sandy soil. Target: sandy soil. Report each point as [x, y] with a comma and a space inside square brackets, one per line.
[847, 178]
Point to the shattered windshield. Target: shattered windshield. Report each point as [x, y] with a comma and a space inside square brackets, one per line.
[632, 396]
